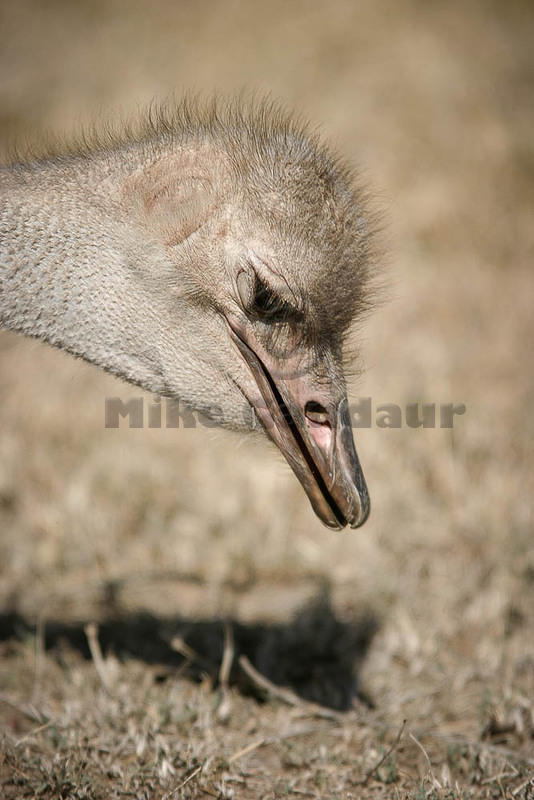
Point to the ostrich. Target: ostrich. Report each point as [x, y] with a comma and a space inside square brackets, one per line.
[216, 253]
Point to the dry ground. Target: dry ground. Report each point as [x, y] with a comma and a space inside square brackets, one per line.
[434, 99]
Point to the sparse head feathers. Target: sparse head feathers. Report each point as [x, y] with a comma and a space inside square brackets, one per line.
[274, 173]
[280, 181]
[294, 192]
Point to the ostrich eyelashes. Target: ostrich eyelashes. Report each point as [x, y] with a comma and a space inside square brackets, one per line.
[262, 302]
[268, 305]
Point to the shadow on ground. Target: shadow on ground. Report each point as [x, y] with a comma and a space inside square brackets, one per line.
[316, 655]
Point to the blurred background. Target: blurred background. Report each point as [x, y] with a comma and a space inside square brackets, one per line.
[433, 103]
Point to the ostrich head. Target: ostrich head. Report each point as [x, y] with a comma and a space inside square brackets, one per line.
[264, 246]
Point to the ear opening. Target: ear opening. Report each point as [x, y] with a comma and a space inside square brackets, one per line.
[178, 192]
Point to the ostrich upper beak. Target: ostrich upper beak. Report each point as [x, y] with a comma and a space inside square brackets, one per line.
[309, 421]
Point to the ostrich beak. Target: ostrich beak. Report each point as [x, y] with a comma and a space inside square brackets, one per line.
[309, 421]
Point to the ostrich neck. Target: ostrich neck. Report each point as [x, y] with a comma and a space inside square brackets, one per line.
[75, 272]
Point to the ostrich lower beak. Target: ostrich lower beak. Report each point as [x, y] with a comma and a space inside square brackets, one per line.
[318, 445]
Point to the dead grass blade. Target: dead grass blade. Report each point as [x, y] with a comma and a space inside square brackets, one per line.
[91, 632]
[228, 656]
[286, 695]
[27, 709]
[368, 775]
[186, 780]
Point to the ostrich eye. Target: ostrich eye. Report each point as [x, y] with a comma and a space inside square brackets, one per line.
[261, 302]
[269, 306]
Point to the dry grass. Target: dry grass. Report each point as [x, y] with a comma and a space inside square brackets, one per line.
[195, 527]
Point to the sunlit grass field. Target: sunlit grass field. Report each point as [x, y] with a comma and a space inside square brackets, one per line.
[191, 548]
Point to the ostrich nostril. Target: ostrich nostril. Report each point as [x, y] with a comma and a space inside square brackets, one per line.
[316, 413]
